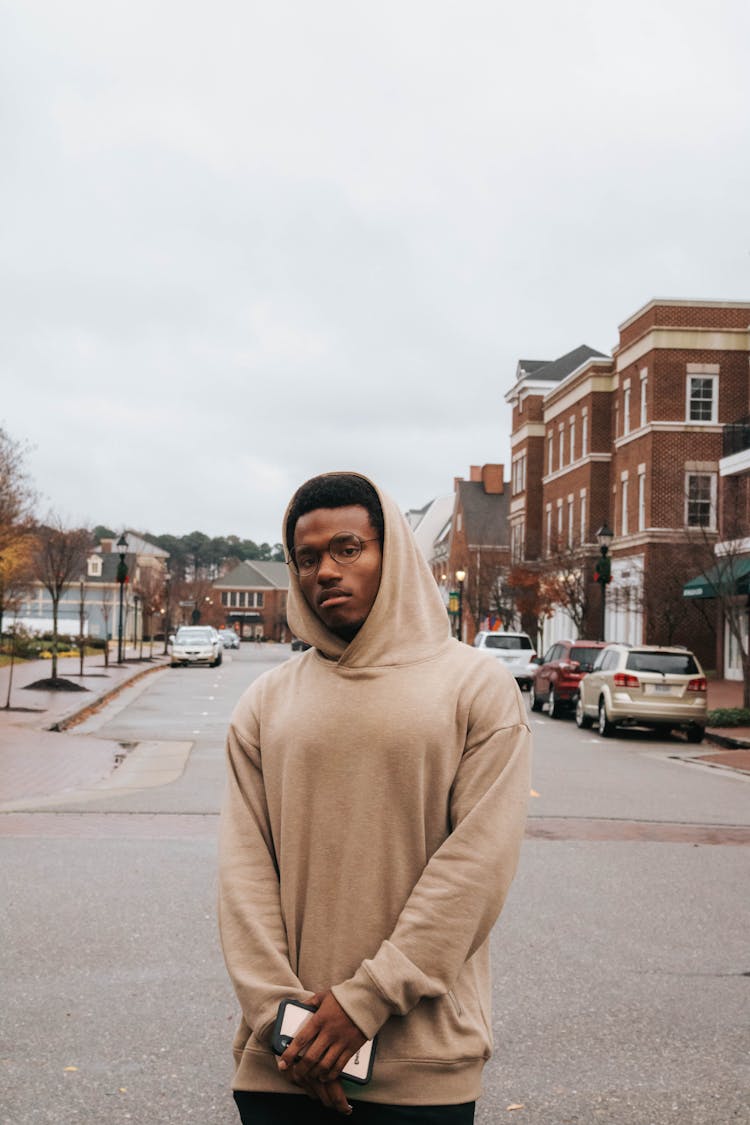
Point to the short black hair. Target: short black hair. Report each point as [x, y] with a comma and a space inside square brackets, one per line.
[334, 490]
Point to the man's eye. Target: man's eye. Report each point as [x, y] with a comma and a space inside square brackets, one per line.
[305, 558]
[348, 551]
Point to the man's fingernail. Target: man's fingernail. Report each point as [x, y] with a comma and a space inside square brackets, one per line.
[282, 1064]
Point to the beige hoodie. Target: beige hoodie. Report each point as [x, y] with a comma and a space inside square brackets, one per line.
[375, 807]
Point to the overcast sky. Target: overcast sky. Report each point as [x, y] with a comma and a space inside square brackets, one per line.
[244, 243]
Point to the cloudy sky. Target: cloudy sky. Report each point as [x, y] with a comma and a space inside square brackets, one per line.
[243, 243]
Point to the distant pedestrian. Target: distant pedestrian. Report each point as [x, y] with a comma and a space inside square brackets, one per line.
[376, 799]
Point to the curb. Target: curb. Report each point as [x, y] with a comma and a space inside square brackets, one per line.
[73, 717]
[726, 741]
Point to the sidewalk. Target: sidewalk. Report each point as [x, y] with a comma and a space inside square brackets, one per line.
[734, 741]
[35, 760]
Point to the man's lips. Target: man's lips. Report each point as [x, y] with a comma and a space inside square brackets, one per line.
[332, 596]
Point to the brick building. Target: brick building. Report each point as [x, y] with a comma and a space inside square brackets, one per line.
[252, 597]
[478, 543]
[634, 440]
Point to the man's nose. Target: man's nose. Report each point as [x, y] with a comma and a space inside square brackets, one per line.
[329, 569]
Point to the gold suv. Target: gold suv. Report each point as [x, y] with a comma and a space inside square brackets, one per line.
[644, 685]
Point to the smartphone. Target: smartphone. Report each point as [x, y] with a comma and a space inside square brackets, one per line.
[289, 1019]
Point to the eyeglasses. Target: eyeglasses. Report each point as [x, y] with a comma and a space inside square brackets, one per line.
[344, 548]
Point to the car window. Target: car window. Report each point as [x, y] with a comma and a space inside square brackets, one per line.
[190, 636]
[584, 656]
[666, 663]
[548, 655]
[504, 641]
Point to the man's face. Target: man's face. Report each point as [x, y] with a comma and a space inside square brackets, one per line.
[341, 594]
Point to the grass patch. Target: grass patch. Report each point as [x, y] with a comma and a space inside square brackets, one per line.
[5, 660]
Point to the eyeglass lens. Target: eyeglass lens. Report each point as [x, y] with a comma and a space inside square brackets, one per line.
[343, 548]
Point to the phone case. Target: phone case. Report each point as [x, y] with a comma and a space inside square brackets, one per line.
[292, 1014]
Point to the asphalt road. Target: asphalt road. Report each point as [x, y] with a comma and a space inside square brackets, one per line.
[621, 960]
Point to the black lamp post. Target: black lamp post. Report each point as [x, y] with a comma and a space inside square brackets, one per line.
[603, 570]
[460, 578]
[167, 592]
[122, 574]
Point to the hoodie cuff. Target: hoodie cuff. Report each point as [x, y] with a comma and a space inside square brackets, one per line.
[363, 1003]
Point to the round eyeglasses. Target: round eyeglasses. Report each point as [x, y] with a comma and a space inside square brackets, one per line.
[344, 548]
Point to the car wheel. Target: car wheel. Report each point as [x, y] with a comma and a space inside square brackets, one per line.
[554, 710]
[582, 719]
[534, 700]
[695, 733]
[606, 728]
[218, 660]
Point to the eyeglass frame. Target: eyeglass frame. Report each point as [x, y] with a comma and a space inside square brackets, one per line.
[291, 560]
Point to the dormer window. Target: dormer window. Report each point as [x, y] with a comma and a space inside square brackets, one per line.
[94, 566]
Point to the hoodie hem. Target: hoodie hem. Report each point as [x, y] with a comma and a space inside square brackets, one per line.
[394, 1082]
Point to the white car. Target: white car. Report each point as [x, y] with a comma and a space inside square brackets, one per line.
[229, 638]
[515, 650]
[196, 644]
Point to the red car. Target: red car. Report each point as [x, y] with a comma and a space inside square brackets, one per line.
[560, 671]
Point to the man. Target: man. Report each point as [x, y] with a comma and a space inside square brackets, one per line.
[377, 791]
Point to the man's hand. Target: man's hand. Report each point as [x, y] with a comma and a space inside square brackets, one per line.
[320, 1049]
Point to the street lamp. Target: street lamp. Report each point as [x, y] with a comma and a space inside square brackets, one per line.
[167, 592]
[122, 575]
[460, 578]
[603, 568]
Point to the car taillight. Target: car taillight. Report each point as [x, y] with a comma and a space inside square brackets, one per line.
[624, 679]
[698, 684]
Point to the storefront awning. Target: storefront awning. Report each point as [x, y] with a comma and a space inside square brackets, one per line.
[728, 577]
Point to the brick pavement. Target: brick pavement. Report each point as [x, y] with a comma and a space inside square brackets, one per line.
[34, 761]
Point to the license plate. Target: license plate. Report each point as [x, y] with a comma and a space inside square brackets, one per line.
[663, 689]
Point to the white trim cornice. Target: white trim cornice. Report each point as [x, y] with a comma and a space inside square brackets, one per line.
[574, 395]
[684, 339]
[736, 464]
[579, 464]
[528, 430]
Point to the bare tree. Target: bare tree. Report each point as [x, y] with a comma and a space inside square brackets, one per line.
[149, 588]
[17, 496]
[568, 576]
[15, 581]
[59, 559]
[107, 607]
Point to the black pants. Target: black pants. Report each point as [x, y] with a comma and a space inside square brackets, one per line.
[297, 1109]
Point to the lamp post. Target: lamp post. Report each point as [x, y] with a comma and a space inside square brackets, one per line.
[603, 569]
[122, 574]
[167, 592]
[460, 578]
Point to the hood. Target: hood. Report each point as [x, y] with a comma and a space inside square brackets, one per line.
[407, 622]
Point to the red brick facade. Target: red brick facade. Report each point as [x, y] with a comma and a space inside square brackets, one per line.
[635, 441]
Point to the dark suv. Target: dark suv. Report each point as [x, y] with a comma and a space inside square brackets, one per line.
[560, 671]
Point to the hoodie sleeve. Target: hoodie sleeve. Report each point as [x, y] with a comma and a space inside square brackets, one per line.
[461, 892]
[251, 927]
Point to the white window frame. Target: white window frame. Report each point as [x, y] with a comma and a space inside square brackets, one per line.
[644, 396]
[709, 378]
[549, 529]
[550, 452]
[641, 499]
[711, 525]
[572, 439]
[624, 512]
[571, 522]
[561, 433]
[626, 410]
[583, 516]
[585, 434]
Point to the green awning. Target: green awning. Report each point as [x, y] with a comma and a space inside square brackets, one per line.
[730, 576]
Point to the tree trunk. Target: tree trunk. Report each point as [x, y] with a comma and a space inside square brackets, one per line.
[54, 636]
[10, 669]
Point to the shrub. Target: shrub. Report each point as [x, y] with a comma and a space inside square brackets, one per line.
[729, 717]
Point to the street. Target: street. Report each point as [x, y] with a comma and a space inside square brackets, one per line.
[622, 967]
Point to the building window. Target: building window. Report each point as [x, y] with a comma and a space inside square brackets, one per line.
[584, 435]
[562, 446]
[95, 566]
[572, 440]
[549, 529]
[224, 597]
[702, 398]
[550, 444]
[642, 501]
[523, 473]
[626, 411]
[701, 500]
[259, 601]
[559, 525]
[624, 518]
[644, 393]
[571, 522]
[583, 517]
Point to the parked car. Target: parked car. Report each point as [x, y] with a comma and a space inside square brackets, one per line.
[196, 644]
[644, 685]
[514, 649]
[559, 673]
[229, 638]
